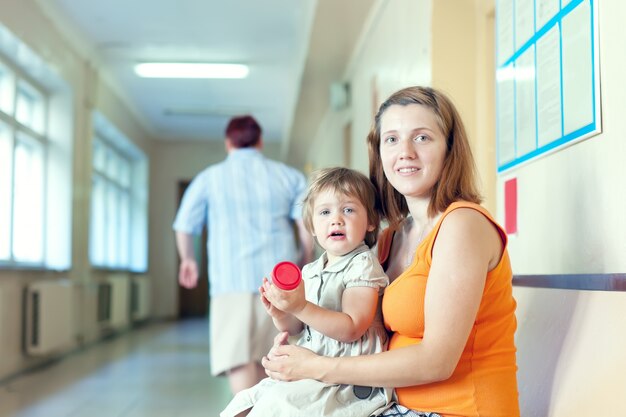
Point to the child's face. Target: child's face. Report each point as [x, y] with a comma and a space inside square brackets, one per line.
[339, 223]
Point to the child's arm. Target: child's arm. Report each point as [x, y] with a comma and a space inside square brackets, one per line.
[358, 311]
[283, 321]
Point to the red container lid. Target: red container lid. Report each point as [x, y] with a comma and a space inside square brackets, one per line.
[286, 275]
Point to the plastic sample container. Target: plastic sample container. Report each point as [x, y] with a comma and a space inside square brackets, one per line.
[286, 275]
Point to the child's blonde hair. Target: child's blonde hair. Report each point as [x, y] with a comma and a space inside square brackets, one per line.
[347, 182]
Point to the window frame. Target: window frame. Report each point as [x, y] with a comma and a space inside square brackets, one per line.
[128, 184]
[112, 186]
[16, 132]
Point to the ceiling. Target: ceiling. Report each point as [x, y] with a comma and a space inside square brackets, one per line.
[271, 36]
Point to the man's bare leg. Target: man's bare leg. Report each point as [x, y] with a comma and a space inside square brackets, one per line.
[245, 376]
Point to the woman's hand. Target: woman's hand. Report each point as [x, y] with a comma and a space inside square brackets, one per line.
[292, 301]
[290, 363]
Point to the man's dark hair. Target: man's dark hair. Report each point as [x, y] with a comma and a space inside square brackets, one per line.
[243, 131]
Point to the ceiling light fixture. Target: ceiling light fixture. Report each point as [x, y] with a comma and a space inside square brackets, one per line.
[191, 70]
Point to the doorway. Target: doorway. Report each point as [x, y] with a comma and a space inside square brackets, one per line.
[194, 302]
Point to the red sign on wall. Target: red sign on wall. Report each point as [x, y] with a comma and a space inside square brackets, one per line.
[510, 206]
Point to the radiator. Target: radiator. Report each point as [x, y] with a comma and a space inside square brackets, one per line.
[104, 303]
[120, 301]
[114, 302]
[140, 298]
[48, 317]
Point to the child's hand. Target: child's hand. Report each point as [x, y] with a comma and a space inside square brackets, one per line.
[280, 339]
[271, 310]
[292, 301]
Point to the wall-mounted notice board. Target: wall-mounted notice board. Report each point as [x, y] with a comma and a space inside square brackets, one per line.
[547, 77]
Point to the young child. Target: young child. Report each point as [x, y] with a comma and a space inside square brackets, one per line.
[336, 312]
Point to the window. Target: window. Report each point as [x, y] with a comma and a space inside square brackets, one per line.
[118, 227]
[7, 89]
[29, 107]
[6, 180]
[28, 199]
[35, 160]
[23, 166]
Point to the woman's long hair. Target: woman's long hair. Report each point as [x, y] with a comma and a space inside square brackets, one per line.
[458, 176]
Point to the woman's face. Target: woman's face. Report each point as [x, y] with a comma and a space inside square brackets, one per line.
[412, 149]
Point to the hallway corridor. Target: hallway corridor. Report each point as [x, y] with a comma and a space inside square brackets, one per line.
[159, 370]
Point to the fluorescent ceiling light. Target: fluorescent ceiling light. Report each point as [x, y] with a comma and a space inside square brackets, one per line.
[190, 70]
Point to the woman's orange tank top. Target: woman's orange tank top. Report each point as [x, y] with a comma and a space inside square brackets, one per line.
[484, 381]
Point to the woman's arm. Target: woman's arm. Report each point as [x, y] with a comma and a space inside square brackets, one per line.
[467, 246]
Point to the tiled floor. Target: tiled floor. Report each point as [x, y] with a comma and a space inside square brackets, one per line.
[159, 370]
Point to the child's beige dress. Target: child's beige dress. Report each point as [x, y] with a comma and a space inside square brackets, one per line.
[308, 397]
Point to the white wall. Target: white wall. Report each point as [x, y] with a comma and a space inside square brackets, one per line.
[571, 220]
[89, 91]
[571, 348]
[393, 52]
[570, 343]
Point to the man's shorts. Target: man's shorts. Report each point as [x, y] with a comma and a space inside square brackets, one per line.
[241, 331]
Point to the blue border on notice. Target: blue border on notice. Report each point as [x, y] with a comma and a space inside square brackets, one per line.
[572, 136]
